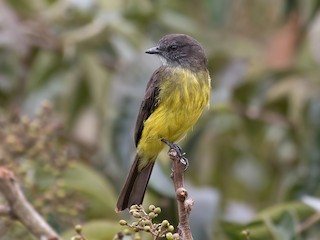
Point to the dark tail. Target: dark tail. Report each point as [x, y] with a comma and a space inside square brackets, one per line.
[135, 186]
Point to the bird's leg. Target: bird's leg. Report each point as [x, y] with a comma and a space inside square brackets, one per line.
[178, 150]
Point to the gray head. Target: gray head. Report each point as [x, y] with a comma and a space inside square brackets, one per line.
[180, 50]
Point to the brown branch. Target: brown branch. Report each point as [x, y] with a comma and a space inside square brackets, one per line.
[315, 218]
[21, 209]
[184, 202]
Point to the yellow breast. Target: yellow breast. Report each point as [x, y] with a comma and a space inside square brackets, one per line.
[182, 98]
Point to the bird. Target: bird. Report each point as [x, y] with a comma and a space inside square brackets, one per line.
[175, 97]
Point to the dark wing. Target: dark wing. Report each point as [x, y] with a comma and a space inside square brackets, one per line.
[149, 103]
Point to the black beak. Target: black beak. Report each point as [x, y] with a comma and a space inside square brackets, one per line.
[154, 50]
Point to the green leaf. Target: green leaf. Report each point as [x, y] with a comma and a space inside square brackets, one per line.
[302, 210]
[278, 222]
[257, 230]
[97, 78]
[94, 188]
[97, 230]
[284, 228]
[80, 97]
[45, 65]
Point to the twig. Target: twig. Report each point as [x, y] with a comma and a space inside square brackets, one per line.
[315, 218]
[22, 210]
[184, 202]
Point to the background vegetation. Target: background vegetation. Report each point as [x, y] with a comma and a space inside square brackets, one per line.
[72, 76]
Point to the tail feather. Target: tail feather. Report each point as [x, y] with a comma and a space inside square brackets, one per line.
[135, 186]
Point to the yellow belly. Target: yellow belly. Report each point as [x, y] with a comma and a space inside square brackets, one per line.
[182, 98]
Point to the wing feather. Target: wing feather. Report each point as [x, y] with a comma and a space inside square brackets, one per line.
[149, 103]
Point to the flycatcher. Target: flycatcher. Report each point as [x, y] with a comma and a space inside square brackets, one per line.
[175, 97]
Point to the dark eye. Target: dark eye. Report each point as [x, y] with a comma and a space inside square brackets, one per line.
[172, 47]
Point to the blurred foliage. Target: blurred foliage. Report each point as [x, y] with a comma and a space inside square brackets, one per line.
[32, 144]
[257, 147]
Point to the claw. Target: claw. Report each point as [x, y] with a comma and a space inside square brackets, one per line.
[185, 162]
[179, 152]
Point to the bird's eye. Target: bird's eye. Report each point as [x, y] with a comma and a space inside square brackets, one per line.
[173, 47]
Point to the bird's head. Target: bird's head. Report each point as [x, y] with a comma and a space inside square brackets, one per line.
[180, 50]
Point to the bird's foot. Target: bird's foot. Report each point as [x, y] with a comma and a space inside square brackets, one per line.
[176, 151]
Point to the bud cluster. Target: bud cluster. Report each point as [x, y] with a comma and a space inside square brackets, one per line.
[144, 223]
[35, 149]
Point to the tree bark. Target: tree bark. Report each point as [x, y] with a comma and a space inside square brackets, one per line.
[19, 208]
